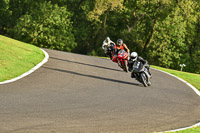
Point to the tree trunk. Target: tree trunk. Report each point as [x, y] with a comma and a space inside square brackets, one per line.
[148, 42]
[105, 23]
[134, 24]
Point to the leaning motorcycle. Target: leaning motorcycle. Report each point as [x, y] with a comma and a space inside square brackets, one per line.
[109, 50]
[141, 73]
[122, 59]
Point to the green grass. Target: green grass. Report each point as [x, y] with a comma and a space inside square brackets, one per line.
[17, 58]
[193, 79]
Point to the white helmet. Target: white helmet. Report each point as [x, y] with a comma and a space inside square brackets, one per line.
[134, 56]
[107, 39]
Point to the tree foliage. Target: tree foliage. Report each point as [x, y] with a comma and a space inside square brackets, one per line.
[46, 26]
[4, 16]
[166, 32]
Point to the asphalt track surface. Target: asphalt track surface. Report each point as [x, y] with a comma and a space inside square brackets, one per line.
[74, 93]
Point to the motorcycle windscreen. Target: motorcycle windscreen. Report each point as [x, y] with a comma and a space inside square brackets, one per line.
[137, 66]
[122, 54]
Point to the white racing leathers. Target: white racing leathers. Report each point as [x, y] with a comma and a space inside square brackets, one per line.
[107, 45]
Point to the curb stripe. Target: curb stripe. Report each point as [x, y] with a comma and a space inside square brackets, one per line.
[195, 90]
[30, 71]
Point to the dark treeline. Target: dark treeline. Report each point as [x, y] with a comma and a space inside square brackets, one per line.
[165, 32]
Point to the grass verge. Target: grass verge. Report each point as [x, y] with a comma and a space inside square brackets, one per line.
[17, 58]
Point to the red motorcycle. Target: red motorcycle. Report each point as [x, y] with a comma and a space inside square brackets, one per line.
[122, 59]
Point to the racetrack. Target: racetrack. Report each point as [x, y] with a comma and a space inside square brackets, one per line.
[77, 93]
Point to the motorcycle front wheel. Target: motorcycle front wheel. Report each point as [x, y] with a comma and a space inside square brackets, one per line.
[144, 79]
[125, 67]
[149, 84]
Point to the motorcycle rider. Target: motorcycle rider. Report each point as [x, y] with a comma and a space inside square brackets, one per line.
[134, 57]
[107, 46]
[120, 45]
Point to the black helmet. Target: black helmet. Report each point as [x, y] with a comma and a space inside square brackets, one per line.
[119, 42]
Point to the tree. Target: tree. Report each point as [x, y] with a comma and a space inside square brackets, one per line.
[47, 26]
[99, 18]
[190, 12]
[169, 42]
[4, 16]
[174, 41]
[166, 32]
[141, 19]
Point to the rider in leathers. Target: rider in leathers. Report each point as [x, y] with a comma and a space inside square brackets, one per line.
[120, 45]
[108, 46]
[134, 57]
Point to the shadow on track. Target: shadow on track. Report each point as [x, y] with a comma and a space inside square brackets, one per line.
[92, 76]
[87, 64]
